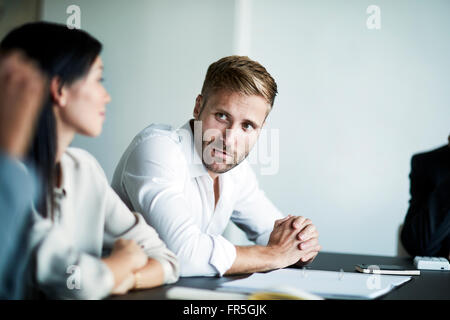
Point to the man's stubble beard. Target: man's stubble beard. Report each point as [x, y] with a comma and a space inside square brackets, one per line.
[228, 166]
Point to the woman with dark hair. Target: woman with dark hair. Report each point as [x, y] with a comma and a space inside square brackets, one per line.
[78, 215]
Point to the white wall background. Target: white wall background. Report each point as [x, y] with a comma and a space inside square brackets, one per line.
[354, 104]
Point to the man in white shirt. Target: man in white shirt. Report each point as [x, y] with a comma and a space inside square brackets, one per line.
[189, 182]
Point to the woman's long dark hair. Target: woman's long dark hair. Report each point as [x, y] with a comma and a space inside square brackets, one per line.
[68, 55]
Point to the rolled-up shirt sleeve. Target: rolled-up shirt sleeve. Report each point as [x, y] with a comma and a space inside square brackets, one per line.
[154, 182]
[154, 247]
[253, 212]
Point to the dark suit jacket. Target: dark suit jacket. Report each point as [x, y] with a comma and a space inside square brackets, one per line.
[426, 230]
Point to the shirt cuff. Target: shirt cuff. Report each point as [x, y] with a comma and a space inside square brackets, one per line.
[223, 254]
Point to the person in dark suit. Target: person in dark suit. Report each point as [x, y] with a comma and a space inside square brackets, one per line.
[426, 230]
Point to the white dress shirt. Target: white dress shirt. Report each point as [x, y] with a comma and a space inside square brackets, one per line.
[161, 175]
[88, 217]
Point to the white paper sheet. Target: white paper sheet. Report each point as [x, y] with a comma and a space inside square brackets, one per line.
[327, 284]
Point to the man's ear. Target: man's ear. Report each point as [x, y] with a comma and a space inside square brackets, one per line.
[198, 106]
[58, 92]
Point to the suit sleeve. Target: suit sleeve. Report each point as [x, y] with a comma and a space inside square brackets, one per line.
[426, 224]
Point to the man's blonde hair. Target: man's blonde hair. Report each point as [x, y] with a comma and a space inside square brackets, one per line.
[242, 75]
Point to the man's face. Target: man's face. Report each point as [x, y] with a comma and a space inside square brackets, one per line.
[231, 124]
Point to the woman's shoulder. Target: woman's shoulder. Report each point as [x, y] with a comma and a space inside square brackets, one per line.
[78, 153]
[82, 160]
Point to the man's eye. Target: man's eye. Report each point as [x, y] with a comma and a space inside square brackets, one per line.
[221, 116]
[248, 127]
[101, 80]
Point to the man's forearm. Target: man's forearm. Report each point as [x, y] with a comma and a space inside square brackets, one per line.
[252, 259]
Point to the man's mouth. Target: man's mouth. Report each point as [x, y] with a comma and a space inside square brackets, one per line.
[221, 154]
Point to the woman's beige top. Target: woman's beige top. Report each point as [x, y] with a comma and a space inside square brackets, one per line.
[88, 218]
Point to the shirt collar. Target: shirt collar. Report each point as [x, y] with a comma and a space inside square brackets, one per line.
[195, 163]
[196, 166]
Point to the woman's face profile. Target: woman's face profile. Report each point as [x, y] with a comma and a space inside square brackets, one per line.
[85, 108]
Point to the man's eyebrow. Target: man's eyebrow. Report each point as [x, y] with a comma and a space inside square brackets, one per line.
[251, 122]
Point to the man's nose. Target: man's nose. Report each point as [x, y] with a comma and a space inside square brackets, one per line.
[231, 137]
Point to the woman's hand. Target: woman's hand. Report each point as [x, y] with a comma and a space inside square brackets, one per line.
[126, 257]
[126, 285]
[129, 250]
